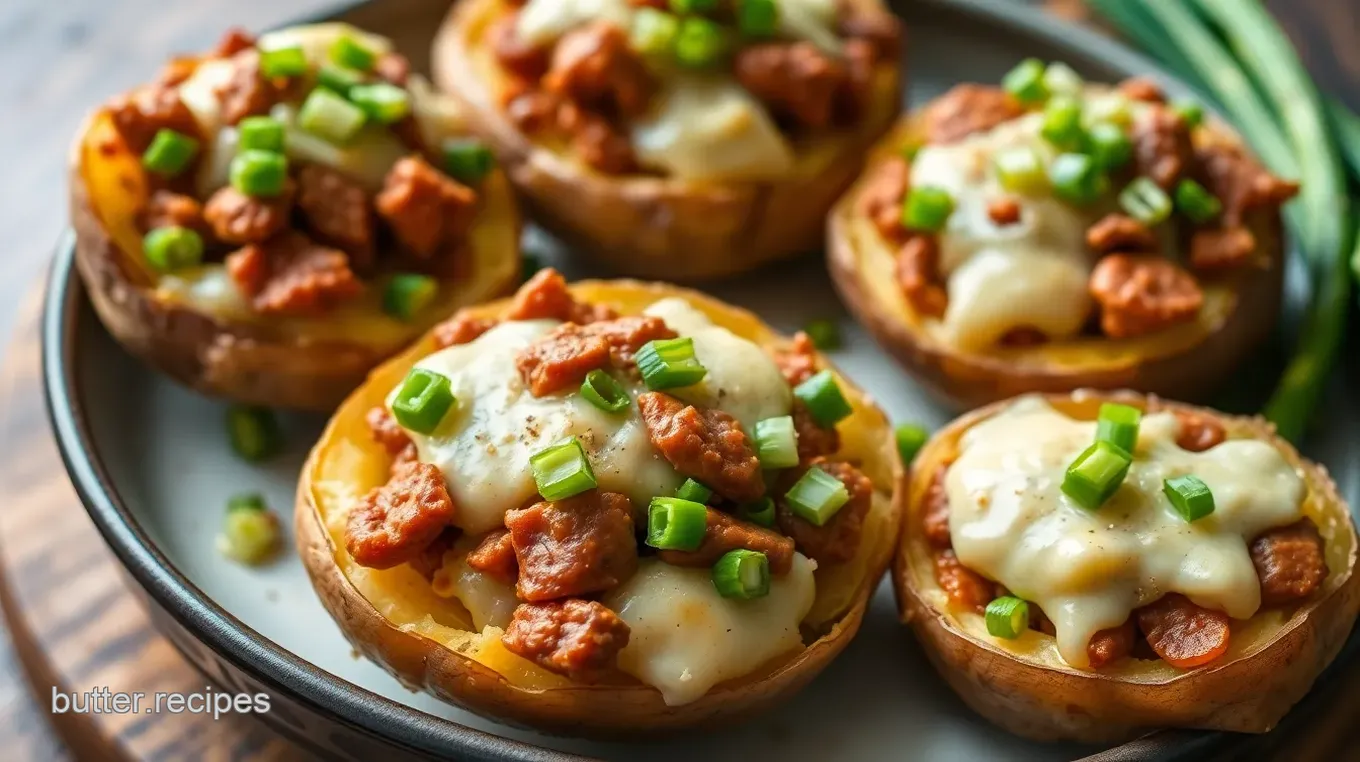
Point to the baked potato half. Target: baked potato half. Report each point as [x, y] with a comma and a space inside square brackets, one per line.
[436, 636]
[713, 179]
[1044, 266]
[1255, 665]
[287, 299]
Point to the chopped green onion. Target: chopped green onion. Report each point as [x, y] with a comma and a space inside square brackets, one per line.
[249, 501]
[260, 133]
[742, 574]
[1189, 496]
[382, 102]
[467, 160]
[910, 439]
[338, 79]
[1109, 107]
[760, 513]
[825, 334]
[699, 42]
[1096, 474]
[601, 390]
[1196, 202]
[562, 470]
[675, 524]
[1007, 617]
[1191, 112]
[1109, 145]
[422, 400]
[817, 496]
[249, 536]
[1062, 123]
[347, 51]
[653, 32]
[927, 208]
[407, 294]
[758, 18]
[823, 398]
[1118, 425]
[1061, 79]
[172, 248]
[330, 117]
[1020, 170]
[1145, 201]
[1026, 82]
[693, 6]
[262, 174]
[169, 153]
[1076, 179]
[253, 432]
[776, 442]
[669, 363]
[694, 492]
[283, 62]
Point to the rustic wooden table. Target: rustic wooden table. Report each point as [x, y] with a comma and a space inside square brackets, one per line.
[57, 58]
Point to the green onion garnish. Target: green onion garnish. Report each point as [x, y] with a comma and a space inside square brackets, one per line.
[653, 32]
[466, 160]
[1118, 425]
[407, 294]
[249, 536]
[261, 174]
[1145, 201]
[927, 209]
[1062, 79]
[260, 133]
[742, 574]
[283, 62]
[1196, 202]
[669, 363]
[1020, 170]
[330, 117]
[1096, 474]
[172, 248]
[1062, 123]
[1191, 112]
[562, 470]
[699, 43]
[601, 390]
[1026, 82]
[1109, 145]
[249, 501]
[253, 432]
[825, 334]
[758, 18]
[910, 439]
[1007, 617]
[776, 442]
[169, 153]
[347, 51]
[1076, 179]
[817, 496]
[338, 79]
[1110, 107]
[823, 398]
[694, 492]
[693, 6]
[422, 400]
[1189, 496]
[761, 512]
[675, 524]
[382, 102]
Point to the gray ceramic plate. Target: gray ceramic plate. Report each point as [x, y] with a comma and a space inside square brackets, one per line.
[153, 465]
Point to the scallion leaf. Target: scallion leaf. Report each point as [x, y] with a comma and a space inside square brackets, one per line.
[562, 470]
[817, 496]
[675, 524]
[742, 575]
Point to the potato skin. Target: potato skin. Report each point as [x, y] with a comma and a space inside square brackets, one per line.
[1049, 702]
[616, 709]
[250, 363]
[1188, 367]
[648, 226]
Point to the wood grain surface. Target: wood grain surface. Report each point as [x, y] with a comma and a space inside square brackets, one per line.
[71, 620]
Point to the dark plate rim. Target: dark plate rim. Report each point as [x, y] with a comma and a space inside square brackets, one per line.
[353, 706]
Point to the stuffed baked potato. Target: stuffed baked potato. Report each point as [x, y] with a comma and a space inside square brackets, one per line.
[1204, 585]
[493, 562]
[677, 146]
[271, 220]
[1054, 235]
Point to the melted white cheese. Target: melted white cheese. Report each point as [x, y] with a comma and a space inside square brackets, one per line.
[489, 601]
[366, 158]
[685, 638]
[1088, 570]
[543, 21]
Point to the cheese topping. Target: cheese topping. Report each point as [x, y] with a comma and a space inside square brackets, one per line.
[686, 638]
[1088, 570]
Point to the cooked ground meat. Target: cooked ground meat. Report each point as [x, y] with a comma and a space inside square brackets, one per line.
[393, 68]
[1161, 146]
[798, 362]
[1022, 336]
[1291, 562]
[546, 297]
[881, 30]
[935, 511]
[882, 199]
[575, 638]
[291, 274]
[796, 81]
[1183, 634]
[580, 545]
[514, 54]
[141, 114]
[337, 211]
[1240, 182]
[1221, 248]
[962, 585]
[1143, 294]
[428, 211]
[967, 109]
[1142, 89]
[602, 145]
[1120, 233]
[918, 274]
[393, 523]
[814, 440]
[1004, 211]
[594, 66]
[165, 208]
[495, 557]
[387, 432]
[247, 92]
[1110, 645]
[462, 328]
[430, 560]
[725, 533]
[1199, 432]
[239, 219]
[706, 445]
[538, 111]
[561, 359]
[838, 540]
[233, 41]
